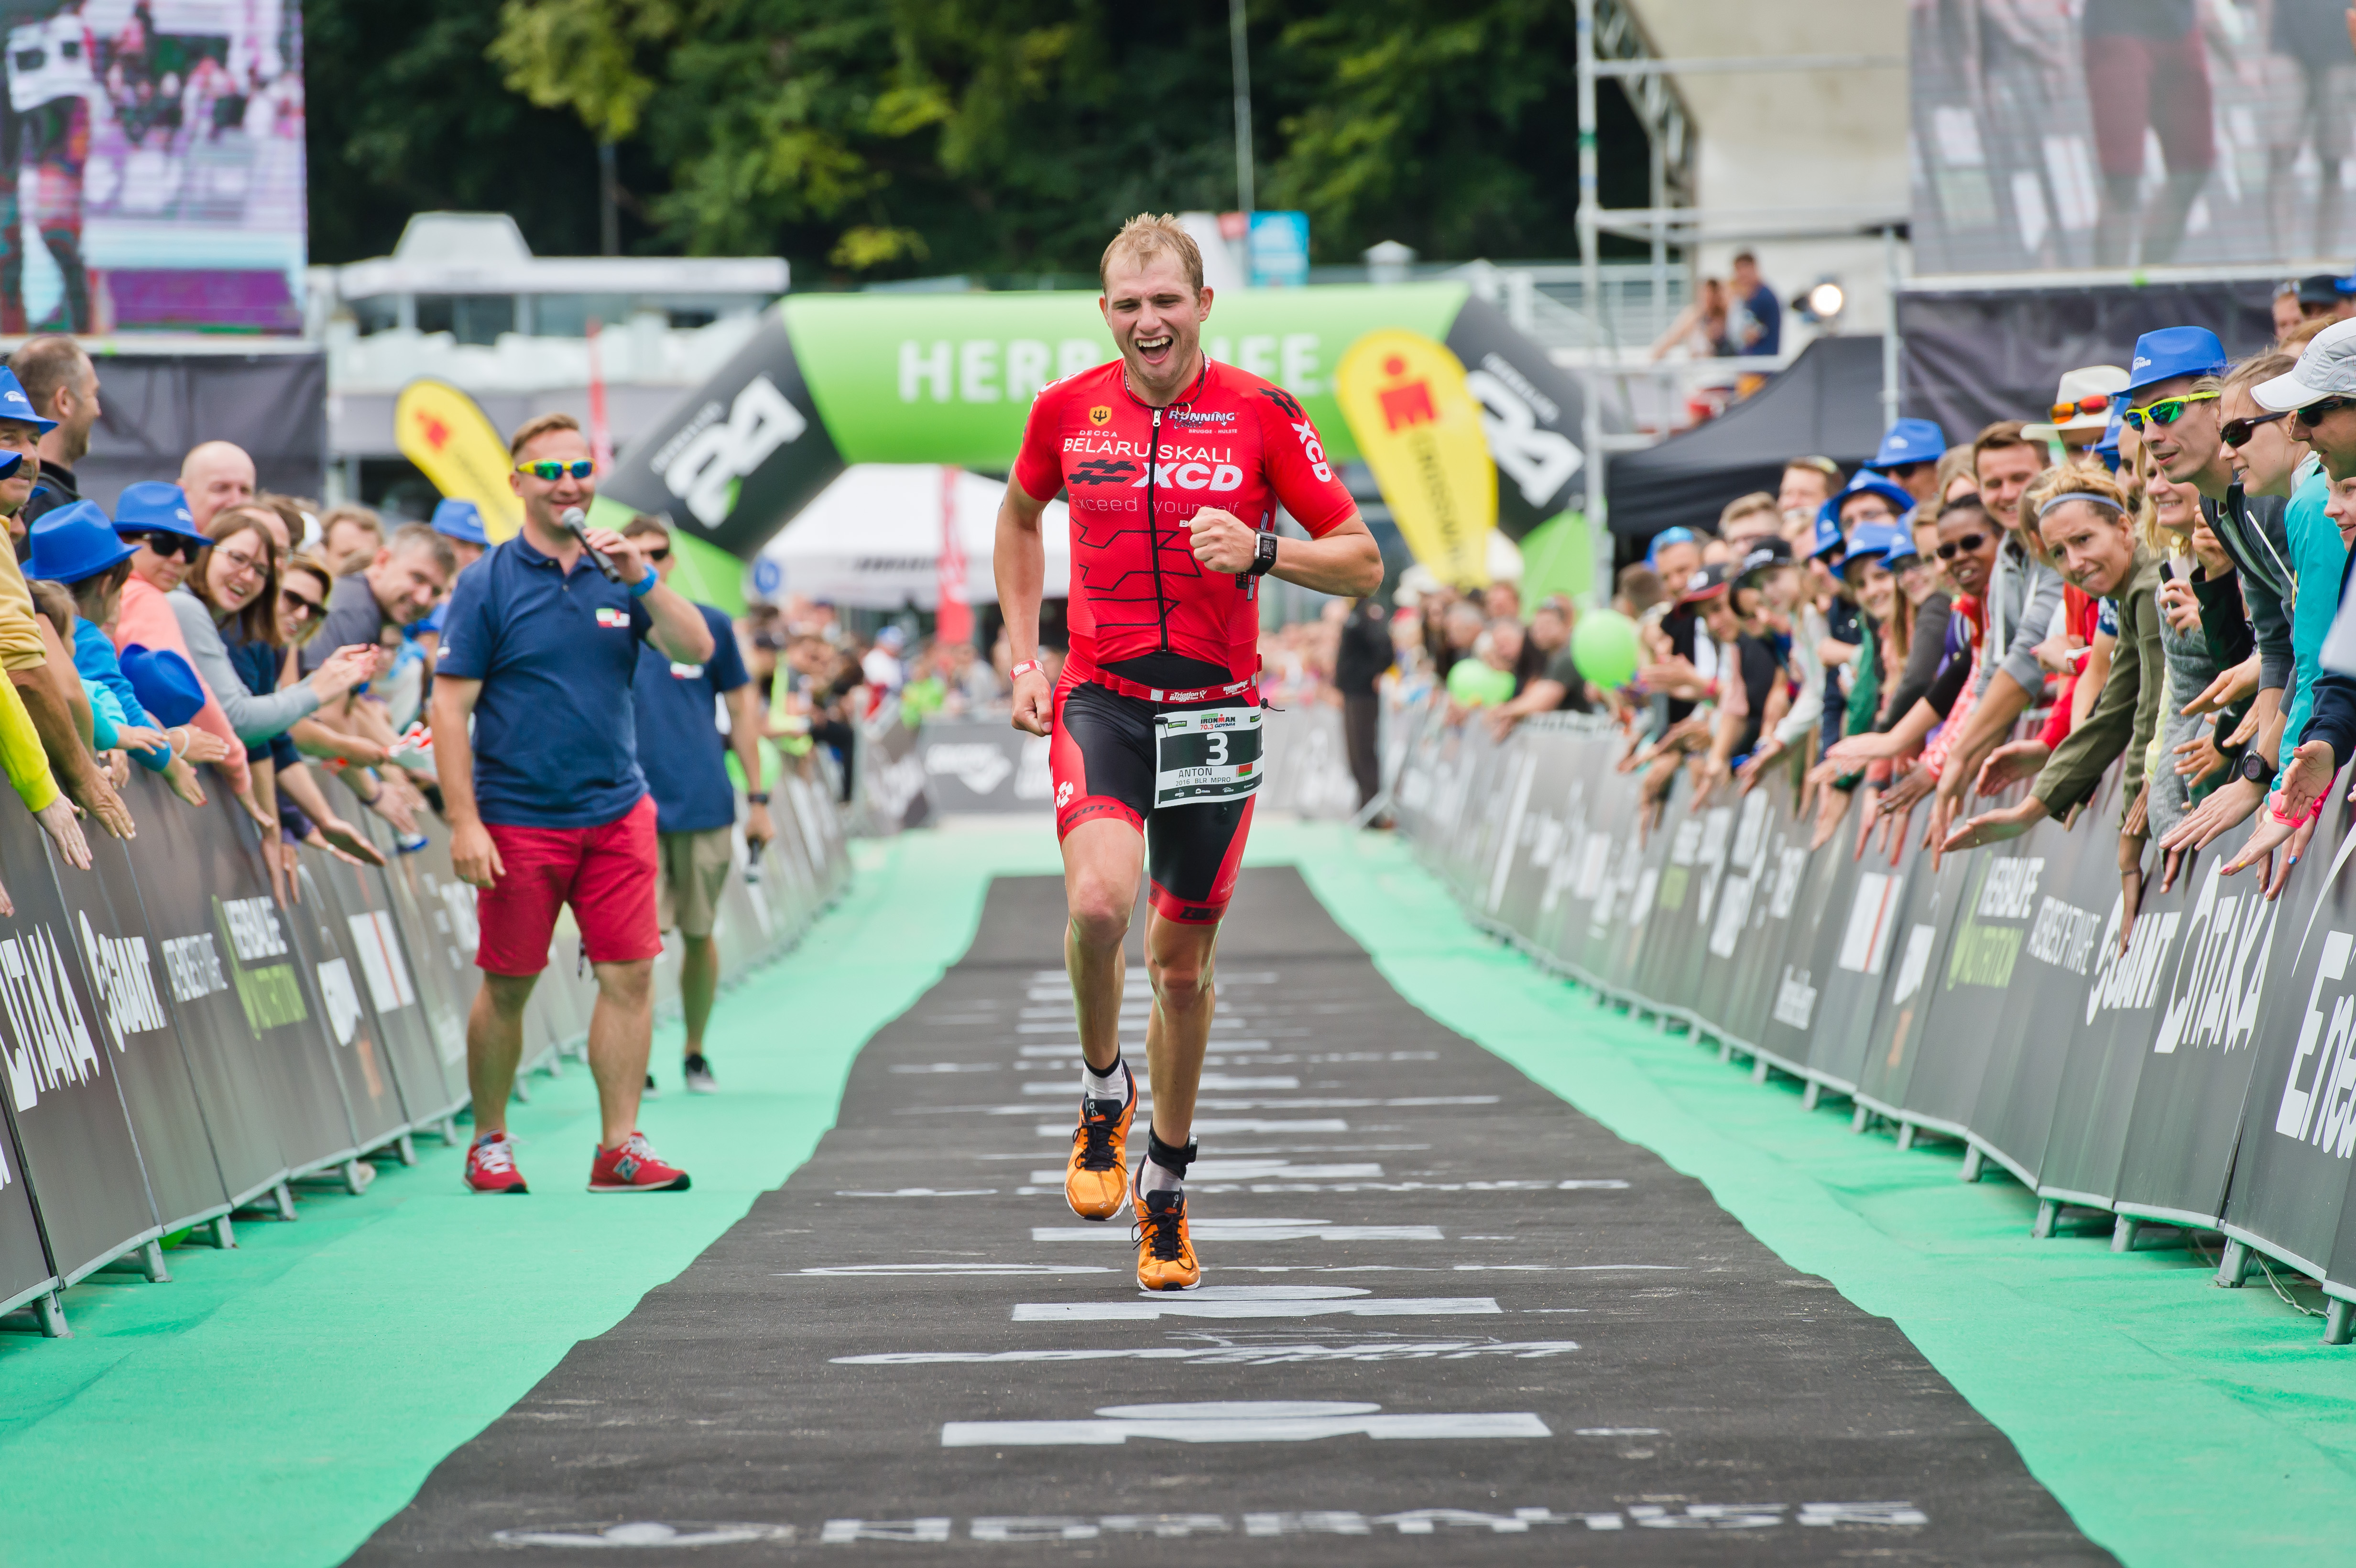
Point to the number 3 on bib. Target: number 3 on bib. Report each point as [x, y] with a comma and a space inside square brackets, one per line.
[1203, 755]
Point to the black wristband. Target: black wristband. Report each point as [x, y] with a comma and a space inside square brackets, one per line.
[1264, 557]
[760, 799]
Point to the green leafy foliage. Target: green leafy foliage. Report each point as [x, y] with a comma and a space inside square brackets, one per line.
[898, 137]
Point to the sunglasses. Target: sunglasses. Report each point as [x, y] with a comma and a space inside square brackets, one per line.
[2166, 411]
[2237, 433]
[2094, 404]
[1902, 472]
[1970, 544]
[300, 604]
[553, 472]
[169, 545]
[2324, 409]
[659, 552]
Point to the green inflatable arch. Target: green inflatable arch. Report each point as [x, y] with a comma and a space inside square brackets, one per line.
[833, 379]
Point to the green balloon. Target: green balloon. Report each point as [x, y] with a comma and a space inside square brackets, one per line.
[1603, 646]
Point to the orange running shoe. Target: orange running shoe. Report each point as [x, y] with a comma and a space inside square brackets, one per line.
[1096, 1176]
[1165, 1253]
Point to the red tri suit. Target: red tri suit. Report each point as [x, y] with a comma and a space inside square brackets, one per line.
[1146, 613]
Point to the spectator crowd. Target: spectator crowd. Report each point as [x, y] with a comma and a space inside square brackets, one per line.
[1964, 637]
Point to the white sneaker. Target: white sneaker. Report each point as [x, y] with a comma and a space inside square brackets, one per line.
[698, 1077]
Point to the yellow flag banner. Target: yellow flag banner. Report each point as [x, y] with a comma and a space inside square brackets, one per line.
[455, 444]
[1420, 429]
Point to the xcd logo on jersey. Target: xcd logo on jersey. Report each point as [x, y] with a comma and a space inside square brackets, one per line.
[1197, 475]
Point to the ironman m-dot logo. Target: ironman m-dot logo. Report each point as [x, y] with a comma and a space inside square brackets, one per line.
[710, 456]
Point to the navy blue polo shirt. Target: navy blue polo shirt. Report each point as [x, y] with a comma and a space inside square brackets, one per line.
[555, 742]
[679, 745]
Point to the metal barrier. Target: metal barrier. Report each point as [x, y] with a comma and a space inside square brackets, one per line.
[2202, 1075]
[176, 1045]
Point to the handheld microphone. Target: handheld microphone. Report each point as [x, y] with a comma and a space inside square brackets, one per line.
[574, 522]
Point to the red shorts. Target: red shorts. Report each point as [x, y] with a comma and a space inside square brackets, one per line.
[607, 873]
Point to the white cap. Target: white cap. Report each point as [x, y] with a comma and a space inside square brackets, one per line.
[2087, 382]
[2327, 369]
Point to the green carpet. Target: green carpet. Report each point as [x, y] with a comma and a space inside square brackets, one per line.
[2178, 1422]
[275, 1403]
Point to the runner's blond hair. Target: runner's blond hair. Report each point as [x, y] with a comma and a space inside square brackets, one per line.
[1146, 236]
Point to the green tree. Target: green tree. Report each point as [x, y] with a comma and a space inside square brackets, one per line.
[407, 112]
[934, 136]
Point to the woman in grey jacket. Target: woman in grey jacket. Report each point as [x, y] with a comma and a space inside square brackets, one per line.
[238, 582]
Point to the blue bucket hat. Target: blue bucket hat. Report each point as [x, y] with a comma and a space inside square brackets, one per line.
[74, 542]
[163, 682]
[1910, 441]
[151, 507]
[1827, 542]
[1666, 536]
[2174, 351]
[1877, 542]
[1864, 483]
[460, 520]
[16, 405]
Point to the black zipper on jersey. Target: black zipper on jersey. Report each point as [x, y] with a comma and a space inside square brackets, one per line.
[1152, 536]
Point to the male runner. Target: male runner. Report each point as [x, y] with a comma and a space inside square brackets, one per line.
[1174, 467]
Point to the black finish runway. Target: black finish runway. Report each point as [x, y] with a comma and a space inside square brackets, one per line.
[1438, 1302]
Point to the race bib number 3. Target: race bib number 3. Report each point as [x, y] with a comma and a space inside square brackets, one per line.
[1206, 754]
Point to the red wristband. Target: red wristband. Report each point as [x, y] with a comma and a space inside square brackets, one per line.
[2274, 807]
[1017, 672]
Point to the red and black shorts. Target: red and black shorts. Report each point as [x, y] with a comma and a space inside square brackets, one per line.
[1102, 758]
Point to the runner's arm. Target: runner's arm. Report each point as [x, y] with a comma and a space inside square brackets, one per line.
[1019, 562]
[1343, 560]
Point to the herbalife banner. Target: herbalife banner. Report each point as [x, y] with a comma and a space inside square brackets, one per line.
[2199, 1070]
[177, 1038]
[832, 379]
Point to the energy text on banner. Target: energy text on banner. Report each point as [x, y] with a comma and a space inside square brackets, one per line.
[455, 444]
[1420, 430]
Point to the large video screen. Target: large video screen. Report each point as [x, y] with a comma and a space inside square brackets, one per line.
[2069, 133]
[158, 148]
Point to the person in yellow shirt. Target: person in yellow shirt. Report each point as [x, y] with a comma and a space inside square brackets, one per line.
[30, 653]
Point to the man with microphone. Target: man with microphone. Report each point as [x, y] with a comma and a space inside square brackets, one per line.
[546, 803]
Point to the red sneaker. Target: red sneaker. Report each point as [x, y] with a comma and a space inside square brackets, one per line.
[491, 1166]
[634, 1167]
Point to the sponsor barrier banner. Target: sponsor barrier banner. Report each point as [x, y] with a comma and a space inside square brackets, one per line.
[2299, 1129]
[2188, 1105]
[78, 1158]
[355, 969]
[2199, 1069]
[235, 971]
[985, 765]
[25, 1270]
[176, 1040]
[135, 1020]
[2045, 999]
[226, 1071]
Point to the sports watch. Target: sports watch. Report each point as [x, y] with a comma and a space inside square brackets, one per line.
[1263, 557]
[2256, 768]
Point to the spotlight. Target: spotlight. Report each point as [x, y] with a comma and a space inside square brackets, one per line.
[1824, 302]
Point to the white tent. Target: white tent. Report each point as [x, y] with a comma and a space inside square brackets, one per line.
[872, 538]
